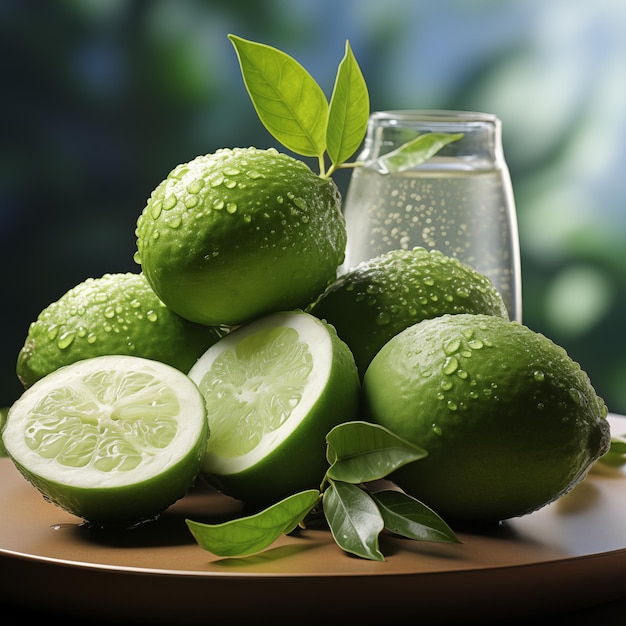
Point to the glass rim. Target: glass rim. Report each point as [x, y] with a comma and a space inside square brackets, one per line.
[433, 115]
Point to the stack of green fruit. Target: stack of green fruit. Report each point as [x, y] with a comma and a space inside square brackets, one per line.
[238, 355]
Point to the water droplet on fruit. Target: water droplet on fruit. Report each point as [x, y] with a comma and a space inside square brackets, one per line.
[231, 171]
[65, 340]
[539, 376]
[450, 347]
[299, 202]
[152, 316]
[155, 209]
[436, 429]
[229, 183]
[446, 385]
[452, 405]
[218, 204]
[109, 312]
[383, 318]
[231, 207]
[52, 332]
[195, 186]
[254, 174]
[451, 364]
[170, 202]
[475, 344]
[191, 201]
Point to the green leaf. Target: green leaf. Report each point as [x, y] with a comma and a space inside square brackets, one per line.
[616, 455]
[349, 110]
[408, 517]
[416, 151]
[288, 101]
[354, 519]
[361, 452]
[247, 535]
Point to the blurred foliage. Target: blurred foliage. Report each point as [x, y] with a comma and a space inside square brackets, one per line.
[102, 98]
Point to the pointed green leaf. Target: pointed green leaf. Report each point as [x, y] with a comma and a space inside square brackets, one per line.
[253, 533]
[349, 110]
[354, 519]
[361, 452]
[288, 101]
[408, 517]
[415, 151]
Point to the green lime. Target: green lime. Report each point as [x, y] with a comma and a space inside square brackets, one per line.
[3, 417]
[114, 439]
[510, 422]
[112, 314]
[273, 390]
[240, 233]
[378, 298]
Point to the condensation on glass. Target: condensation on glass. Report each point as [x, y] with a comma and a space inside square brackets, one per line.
[460, 201]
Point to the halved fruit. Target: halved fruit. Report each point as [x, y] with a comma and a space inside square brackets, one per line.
[273, 390]
[112, 439]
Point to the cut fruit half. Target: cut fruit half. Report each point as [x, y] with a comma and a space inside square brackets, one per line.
[273, 390]
[112, 439]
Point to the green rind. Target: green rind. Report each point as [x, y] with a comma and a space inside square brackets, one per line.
[380, 297]
[124, 506]
[111, 314]
[274, 243]
[534, 409]
[286, 471]
[130, 497]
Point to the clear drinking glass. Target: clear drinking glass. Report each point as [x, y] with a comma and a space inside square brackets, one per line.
[460, 201]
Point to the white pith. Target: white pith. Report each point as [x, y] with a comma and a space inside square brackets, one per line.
[312, 332]
[190, 420]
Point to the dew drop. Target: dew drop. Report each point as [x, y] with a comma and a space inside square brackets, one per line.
[229, 183]
[65, 340]
[383, 318]
[436, 429]
[195, 186]
[462, 374]
[191, 201]
[109, 312]
[452, 406]
[169, 202]
[539, 376]
[52, 331]
[450, 347]
[155, 209]
[446, 385]
[475, 344]
[254, 174]
[451, 364]
[231, 207]
[152, 316]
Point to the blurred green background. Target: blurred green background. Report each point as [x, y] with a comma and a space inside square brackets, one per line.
[102, 98]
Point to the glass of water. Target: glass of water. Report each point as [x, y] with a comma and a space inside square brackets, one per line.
[459, 201]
